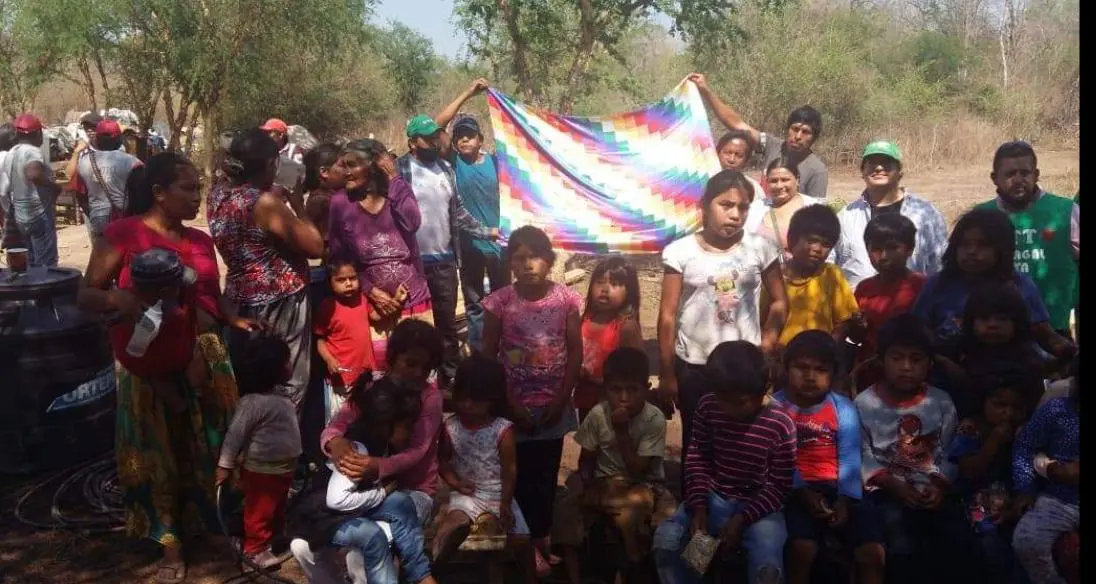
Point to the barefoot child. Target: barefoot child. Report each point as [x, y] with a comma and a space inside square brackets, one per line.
[827, 489]
[342, 334]
[478, 460]
[738, 471]
[533, 328]
[890, 239]
[620, 472]
[610, 320]
[906, 428]
[265, 425]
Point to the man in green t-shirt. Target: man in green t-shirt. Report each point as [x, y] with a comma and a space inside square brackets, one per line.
[1048, 229]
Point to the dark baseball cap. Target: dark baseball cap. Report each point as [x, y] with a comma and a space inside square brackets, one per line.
[91, 119]
[466, 125]
[158, 268]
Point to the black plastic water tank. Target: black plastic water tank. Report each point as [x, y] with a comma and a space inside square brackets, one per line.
[57, 376]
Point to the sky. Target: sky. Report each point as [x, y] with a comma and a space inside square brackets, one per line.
[429, 17]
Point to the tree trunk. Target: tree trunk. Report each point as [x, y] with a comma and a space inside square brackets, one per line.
[519, 59]
[87, 82]
[587, 43]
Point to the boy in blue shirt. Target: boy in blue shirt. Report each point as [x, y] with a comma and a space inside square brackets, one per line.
[826, 484]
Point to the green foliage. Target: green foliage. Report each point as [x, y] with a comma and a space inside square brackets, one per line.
[409, 62]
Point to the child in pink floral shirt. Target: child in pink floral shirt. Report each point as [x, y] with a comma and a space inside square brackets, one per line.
[533, 327]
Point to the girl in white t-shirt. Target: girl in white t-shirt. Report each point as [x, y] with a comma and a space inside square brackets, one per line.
[711, 289]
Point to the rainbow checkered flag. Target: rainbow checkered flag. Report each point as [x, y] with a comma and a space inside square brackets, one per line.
[624, 183]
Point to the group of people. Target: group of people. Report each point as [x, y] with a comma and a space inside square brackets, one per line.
[858, 376]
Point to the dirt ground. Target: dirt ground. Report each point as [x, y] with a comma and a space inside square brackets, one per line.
[29, 556]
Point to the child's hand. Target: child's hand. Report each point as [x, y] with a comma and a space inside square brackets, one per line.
[466, 487]
[933, 496]
[223, 474]
[731, 535]
[621, 419]
[816, 504]
[840, 512]
[699, 523]
[401, 294]
[506, 517]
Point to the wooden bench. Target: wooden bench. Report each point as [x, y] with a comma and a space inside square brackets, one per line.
[65, 207]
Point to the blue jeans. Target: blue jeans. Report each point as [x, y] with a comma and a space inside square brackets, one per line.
[364, 535]
[40, 239]
[763, 542]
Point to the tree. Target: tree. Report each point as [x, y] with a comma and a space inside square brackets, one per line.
[409, 61]
[28, 58]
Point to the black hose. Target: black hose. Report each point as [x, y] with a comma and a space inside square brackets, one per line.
[99, 489]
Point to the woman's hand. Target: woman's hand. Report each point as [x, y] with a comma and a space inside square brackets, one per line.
[386, 163]
[466, 488]
[384, 303]
[349, 463]
[222, 476]
[248, 324]
[127, 304]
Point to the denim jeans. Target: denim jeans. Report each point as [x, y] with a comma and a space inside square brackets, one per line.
[763, 542]
[474, 266]
[441, 279]
[40, 239]
[364, 535]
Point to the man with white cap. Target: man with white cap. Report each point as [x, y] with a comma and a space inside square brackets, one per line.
[30, 193]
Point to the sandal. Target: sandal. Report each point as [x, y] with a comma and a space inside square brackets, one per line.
[173, 573]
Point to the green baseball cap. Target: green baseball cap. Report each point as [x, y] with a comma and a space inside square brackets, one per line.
[884, 148]
[422, 126]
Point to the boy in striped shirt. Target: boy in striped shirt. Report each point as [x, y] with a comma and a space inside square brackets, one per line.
[827, 487]
[738, 471]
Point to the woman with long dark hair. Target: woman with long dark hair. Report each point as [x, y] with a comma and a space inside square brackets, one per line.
[175, 400]
[373, 224]
[266, 247]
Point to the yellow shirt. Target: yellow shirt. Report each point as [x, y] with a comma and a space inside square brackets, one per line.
[821, 302]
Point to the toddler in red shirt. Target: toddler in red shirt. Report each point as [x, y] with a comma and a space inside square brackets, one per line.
[890, 239]
[342, 334]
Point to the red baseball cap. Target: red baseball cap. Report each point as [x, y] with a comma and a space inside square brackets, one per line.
[27, 124]
[108, 128]
[275, 125]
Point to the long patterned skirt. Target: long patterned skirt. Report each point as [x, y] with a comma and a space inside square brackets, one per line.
[167, 459]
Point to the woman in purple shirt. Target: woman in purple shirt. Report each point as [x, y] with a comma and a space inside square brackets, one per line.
[373, 223]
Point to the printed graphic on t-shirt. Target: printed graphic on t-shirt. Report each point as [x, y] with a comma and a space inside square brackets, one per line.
[913, 451]
[726, 293]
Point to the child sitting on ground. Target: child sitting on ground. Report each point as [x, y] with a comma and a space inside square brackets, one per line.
[982, 449]
[906, 428]
[738, 470]
[388, 413]
[826, 485]
[477, 458]
[890, 239]
[620, 473]
[342, 334]
[1055, 430]
[819, 297]
[265, 426]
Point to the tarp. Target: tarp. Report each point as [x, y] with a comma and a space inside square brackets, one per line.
[627, 182]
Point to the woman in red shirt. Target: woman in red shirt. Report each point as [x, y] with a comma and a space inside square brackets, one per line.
[175, 401]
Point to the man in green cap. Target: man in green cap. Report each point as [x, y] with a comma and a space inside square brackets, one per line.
[444, 219]
[881, 168]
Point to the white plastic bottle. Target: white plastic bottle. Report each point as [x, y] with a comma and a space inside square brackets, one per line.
[145, 330]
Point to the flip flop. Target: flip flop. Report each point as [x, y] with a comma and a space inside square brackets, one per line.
[171, 573]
